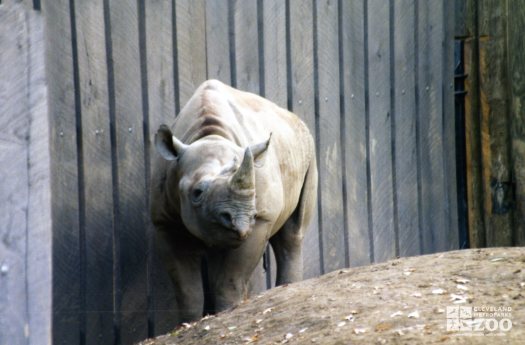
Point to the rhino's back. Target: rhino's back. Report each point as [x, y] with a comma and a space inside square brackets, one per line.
[242, 117]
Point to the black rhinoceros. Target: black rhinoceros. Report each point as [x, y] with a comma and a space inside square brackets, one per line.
[234, 172]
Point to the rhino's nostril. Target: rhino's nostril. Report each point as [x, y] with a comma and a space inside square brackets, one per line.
[226, 219]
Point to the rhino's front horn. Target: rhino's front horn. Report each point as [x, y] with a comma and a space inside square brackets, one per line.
[244, 178]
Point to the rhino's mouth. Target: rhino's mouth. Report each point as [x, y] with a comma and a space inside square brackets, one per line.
[225, 237]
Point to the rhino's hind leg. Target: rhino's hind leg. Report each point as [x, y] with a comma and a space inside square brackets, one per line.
[184, 269]
[288, 255]
[287, 242]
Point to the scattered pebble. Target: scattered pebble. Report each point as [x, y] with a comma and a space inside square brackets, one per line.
[458, 299]
[408, 271]
[438, 291]
[248, 340]
[341, 324]
[303, 330]
[462, 280]
[414, 315]
[416, 294]
[349, 317]
[497, 259]
[268, 310]
[462, 287]
[397, 313]
[359, 330]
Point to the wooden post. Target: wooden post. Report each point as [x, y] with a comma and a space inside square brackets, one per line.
[494, 173]
[472, 129]
[516, 46]
[25, 182]
[494, 117]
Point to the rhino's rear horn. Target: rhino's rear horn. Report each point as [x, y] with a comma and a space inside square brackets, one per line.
[168, 146]
[244, 178]
[259, 149]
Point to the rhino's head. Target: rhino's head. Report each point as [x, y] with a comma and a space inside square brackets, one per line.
[213, 182]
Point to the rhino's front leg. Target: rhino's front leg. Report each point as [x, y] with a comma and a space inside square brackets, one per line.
[231, 270]
[184, 269]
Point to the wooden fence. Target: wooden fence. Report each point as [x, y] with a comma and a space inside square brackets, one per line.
[372, 79]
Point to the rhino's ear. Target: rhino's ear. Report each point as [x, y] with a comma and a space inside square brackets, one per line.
[259, 150]
[168, 146]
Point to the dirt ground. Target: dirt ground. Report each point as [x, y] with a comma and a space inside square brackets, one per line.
[403, 301]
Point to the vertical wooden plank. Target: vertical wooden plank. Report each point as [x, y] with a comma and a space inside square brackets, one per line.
[246, 40]
[131, 265]
[329, 145]
[354, 139]
[472, 133]
[405, 128]
[40, 222]
[161, 93]
[495, 124]
[246, 45]
[430, 96]
[14, 181]
[380, 130]
[516, 46]
[97, 195]
[191, 46]
[301, 102]
[437, 157]
[161, 109]
[449, 131]
[275, 86]
[62, 82]
[217, 41]
[274, 19]
[458, 11]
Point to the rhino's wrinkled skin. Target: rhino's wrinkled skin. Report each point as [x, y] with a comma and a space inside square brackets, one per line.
[233, 172]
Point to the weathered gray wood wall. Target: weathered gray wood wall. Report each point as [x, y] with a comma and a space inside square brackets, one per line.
[25, 194]
[373, 79]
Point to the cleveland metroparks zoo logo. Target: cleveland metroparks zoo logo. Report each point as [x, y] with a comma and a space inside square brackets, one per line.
[479, 320]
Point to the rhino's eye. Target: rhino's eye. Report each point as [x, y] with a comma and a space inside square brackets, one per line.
[198, 192]
[196, 195]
